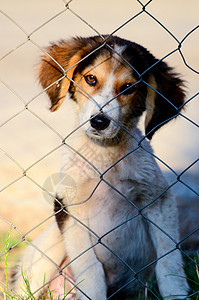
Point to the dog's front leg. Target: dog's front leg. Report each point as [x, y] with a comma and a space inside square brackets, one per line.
[169, 269]
[87, 270]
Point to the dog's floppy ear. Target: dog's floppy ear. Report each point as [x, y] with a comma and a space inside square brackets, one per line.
[164, 98]
[60, 58]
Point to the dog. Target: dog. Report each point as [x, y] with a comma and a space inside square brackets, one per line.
[121, 224]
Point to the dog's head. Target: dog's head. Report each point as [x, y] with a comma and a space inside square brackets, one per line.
[113, 82]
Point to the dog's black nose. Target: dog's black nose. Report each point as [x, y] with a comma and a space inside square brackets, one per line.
[99, 122]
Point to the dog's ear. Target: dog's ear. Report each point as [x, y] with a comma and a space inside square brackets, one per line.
[165, 97]
[60, 58]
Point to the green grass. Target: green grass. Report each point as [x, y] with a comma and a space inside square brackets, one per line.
[192, 273]
[191, 269]
[9, 245]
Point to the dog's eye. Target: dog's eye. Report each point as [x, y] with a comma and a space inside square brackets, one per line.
[127, 89]
[90, 79]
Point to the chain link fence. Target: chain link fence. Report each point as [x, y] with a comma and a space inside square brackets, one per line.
[32, 139]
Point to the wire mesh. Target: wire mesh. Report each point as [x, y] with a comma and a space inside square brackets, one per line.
[19, 173]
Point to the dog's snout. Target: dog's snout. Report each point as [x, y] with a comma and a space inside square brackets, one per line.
[99, 122]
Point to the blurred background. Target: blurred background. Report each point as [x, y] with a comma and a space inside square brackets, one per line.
[25, 140]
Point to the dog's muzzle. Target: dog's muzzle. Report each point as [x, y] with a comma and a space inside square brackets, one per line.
[99, 122]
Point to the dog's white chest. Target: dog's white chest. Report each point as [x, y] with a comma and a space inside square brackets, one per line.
[122, 233]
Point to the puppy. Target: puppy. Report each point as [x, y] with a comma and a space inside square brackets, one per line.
[121, 223]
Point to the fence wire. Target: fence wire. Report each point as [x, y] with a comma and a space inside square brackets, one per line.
[143, 9]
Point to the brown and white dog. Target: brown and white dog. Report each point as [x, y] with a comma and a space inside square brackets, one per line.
[121, 224]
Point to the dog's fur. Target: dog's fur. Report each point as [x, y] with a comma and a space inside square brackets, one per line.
[121, 216]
